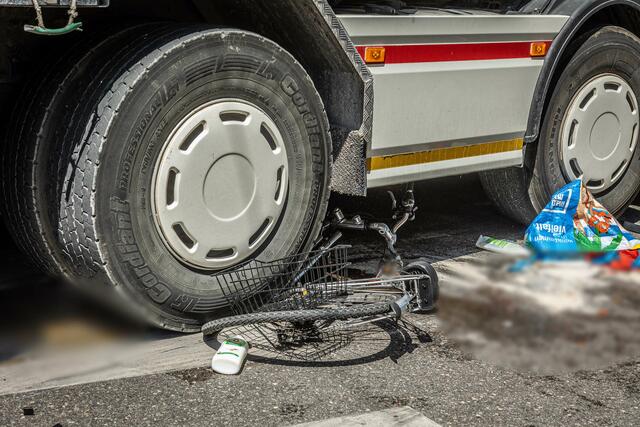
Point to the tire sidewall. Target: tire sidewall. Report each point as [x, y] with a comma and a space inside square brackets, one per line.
[264, 75]
[611, 50]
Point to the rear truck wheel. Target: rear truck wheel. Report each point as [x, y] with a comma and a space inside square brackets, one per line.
[590, 132]
[195, 150]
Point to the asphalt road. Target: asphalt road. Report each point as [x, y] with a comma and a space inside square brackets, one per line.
[381, 367]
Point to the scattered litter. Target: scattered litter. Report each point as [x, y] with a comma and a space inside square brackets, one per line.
[575, 222]
[229, 358]
[626, 260]
[504, 247]
[573, 226]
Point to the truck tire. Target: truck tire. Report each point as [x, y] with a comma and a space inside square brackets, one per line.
[508, 190]
[30, 149]
[188, 151]
[590, 131]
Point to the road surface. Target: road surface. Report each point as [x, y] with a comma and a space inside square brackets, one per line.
[68, 361]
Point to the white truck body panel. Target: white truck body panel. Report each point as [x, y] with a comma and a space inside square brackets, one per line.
[422, 106]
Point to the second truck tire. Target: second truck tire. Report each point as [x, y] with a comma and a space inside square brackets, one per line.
[590, 131]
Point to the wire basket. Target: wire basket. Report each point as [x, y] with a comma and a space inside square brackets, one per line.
[299, 282]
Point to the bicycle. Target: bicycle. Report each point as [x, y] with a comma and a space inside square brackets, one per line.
[306, 293]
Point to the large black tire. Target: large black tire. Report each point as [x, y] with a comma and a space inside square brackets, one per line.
[125, 98]
[508, 189]
[520, 193]
[30, 151]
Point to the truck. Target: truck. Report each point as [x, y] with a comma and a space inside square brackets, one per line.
[171, 140]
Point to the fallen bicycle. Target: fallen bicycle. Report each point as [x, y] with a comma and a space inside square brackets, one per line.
[301, 298]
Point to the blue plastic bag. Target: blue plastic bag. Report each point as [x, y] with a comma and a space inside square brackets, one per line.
[574, 222]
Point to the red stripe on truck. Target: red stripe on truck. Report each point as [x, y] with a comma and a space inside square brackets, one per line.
[412, 53]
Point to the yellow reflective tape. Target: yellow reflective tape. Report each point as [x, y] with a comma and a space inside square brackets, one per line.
[441, 154]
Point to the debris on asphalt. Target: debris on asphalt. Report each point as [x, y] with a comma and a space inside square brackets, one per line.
[572, 305]
[28, 411]
[230, 357]
[505, 247]
[573, 226]
[553, 317]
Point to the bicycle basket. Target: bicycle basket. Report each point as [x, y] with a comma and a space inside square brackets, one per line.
[301, 281]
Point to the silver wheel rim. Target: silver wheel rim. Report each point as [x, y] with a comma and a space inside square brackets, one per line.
[600, 132]
[220, 184]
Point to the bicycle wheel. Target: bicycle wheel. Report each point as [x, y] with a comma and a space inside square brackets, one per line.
[429, 288]
[297, 316]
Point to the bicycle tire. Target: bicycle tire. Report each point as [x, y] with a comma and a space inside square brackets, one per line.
[343, 313]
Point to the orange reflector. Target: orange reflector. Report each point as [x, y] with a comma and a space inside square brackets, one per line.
[374, 55]
[538, 49]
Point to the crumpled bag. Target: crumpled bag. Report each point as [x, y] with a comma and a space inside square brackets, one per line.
[574, 222]
[620, 260]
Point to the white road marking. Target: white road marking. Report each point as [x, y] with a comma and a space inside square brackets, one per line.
[393, 417]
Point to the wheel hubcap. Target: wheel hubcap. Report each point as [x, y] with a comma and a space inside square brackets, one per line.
[600, 132]
[220, 184]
